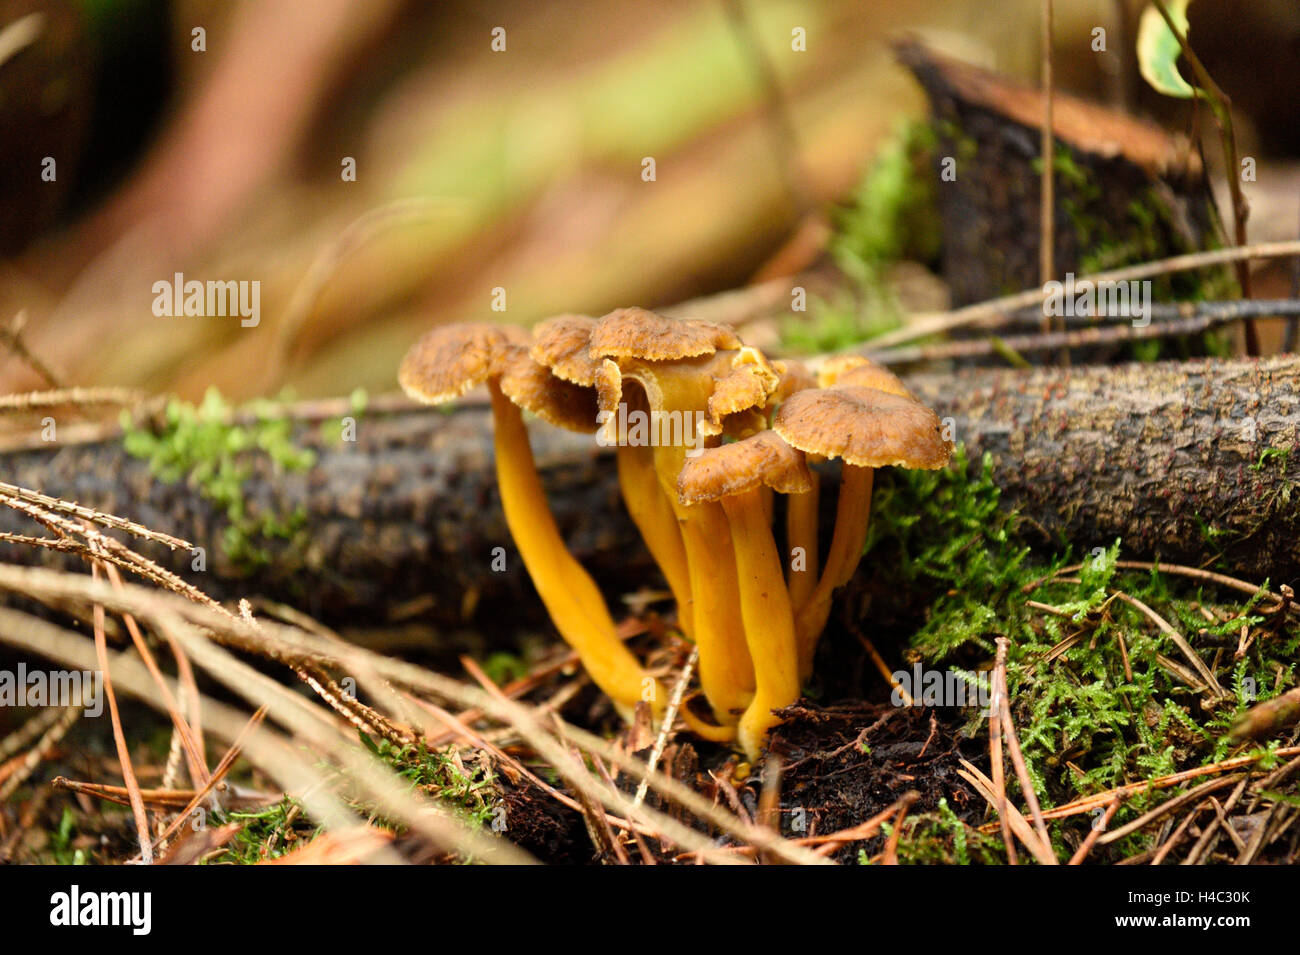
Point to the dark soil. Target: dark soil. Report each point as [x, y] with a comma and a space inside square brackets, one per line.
[844, 763]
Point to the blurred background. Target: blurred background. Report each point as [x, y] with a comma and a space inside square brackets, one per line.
[382, 166]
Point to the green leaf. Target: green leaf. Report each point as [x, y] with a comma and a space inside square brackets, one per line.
[1158, 49]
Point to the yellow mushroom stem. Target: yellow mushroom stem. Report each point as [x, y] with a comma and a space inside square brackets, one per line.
[801, 518]
[679, 393]
[852, 511]
[571, 597]
[726, 673]
[713, 732]
[768, 618]
[652, 513]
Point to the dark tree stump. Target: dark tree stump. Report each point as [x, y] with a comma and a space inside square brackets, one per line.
[1125, 191]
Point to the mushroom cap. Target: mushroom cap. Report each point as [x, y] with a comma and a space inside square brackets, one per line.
[532, 387]
[563, 344]
[861, 371]
[794, 376]
[451, 359]
[609, 384]
[724, 387]
[865, 427]
[747, 384]
[730, 469]
[638, 333]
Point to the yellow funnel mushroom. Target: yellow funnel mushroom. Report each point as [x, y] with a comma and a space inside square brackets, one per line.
[446, 363]
[866, 428]
[563, 344]
[736, 474]
[691, 377]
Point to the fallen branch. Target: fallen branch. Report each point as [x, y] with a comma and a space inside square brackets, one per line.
[1186, 461]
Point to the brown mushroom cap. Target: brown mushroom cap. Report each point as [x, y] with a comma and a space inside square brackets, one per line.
[725, 385]
[861, 371]
[865, 427]
[563, 344]
[638, 333]
[609, 392]
[793, 376]
[450, 360]
[747, 384]
[730, 469]
[532, 387]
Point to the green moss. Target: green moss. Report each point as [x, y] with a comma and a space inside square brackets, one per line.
[1144, 234]
[61, 849]
[503, 667]
[273, 831]
[1084, 725]
[1070, 172]
[949, 132]
[202, 446]
[892, 214]
[844, 320]
[941, 838]
[471, 791]
[266, 833]
[945, 531]
[891, 217]
[1281, 455]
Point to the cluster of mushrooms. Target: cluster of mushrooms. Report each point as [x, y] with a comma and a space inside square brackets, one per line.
[741, 429]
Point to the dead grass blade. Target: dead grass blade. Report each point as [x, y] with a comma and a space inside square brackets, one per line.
[223, 767]
[76, 397]
[193, 755]
[891, 844]
[18, 770]
[1088, 803]
[11, 492]
[295, 647]
[1095, 832]
[275, 755]
[1169, 805]
[1194, 658]
[1019, 824]
[1018, 759]
[348, 847]
[119, 737]
[997, 766]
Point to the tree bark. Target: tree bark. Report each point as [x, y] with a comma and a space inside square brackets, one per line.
[1186, 461]
[1124, 190]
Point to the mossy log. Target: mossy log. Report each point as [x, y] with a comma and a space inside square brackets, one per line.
[1187, 461]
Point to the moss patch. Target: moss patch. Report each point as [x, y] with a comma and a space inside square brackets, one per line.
[204, 446]
[1088, 721]
[266, 833]
[471, 790]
